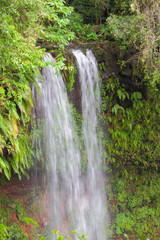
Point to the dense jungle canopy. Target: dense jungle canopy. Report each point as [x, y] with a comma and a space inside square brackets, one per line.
[131, 109]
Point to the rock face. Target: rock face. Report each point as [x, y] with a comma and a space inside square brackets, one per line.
[108, 56]
[105, 54]
[107, 63]
[75, 95]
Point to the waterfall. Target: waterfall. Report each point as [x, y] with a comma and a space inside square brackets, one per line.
[76, 200]
[61, 149]
[90, 90]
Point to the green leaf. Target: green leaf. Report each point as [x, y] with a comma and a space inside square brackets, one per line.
[2, 163]
[7, 173]
[117, 107]
[30, 220]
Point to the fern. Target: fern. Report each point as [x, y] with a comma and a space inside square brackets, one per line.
[2, 163]
[2, 143]
[4, 127]
[5, 167]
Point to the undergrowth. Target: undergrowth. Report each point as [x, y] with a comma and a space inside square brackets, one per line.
[135, 207]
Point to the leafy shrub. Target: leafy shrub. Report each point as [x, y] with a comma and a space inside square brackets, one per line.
[22, 23]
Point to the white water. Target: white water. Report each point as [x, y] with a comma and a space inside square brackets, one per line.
[76, 201]
[90, 90]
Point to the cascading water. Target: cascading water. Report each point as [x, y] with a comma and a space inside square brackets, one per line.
[61, 149]
[76, 201]
[89, 80]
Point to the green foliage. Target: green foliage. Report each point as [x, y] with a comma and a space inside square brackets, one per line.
[96, 11]
[83, 32]
[69, 72]
[90, 10]
[3, 231]
[136, 201]
[88, 33]
[16, 232]
[133, 127]
[125, 30]
[30, 220]
[8, 229]
[132, 114]
[22, 23]
[76, 23]
[78, 134]
[14, 219]
[80, 236]
[55, 21]
[119, 7]
[139, 31]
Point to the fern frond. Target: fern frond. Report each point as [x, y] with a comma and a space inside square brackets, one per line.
[14, 166]
[2, 163]
[13, 113]
[27, 96]
[5, 167]
[4, 128]
[2, 144]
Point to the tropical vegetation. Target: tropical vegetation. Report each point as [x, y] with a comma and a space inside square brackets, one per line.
[131, 110]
